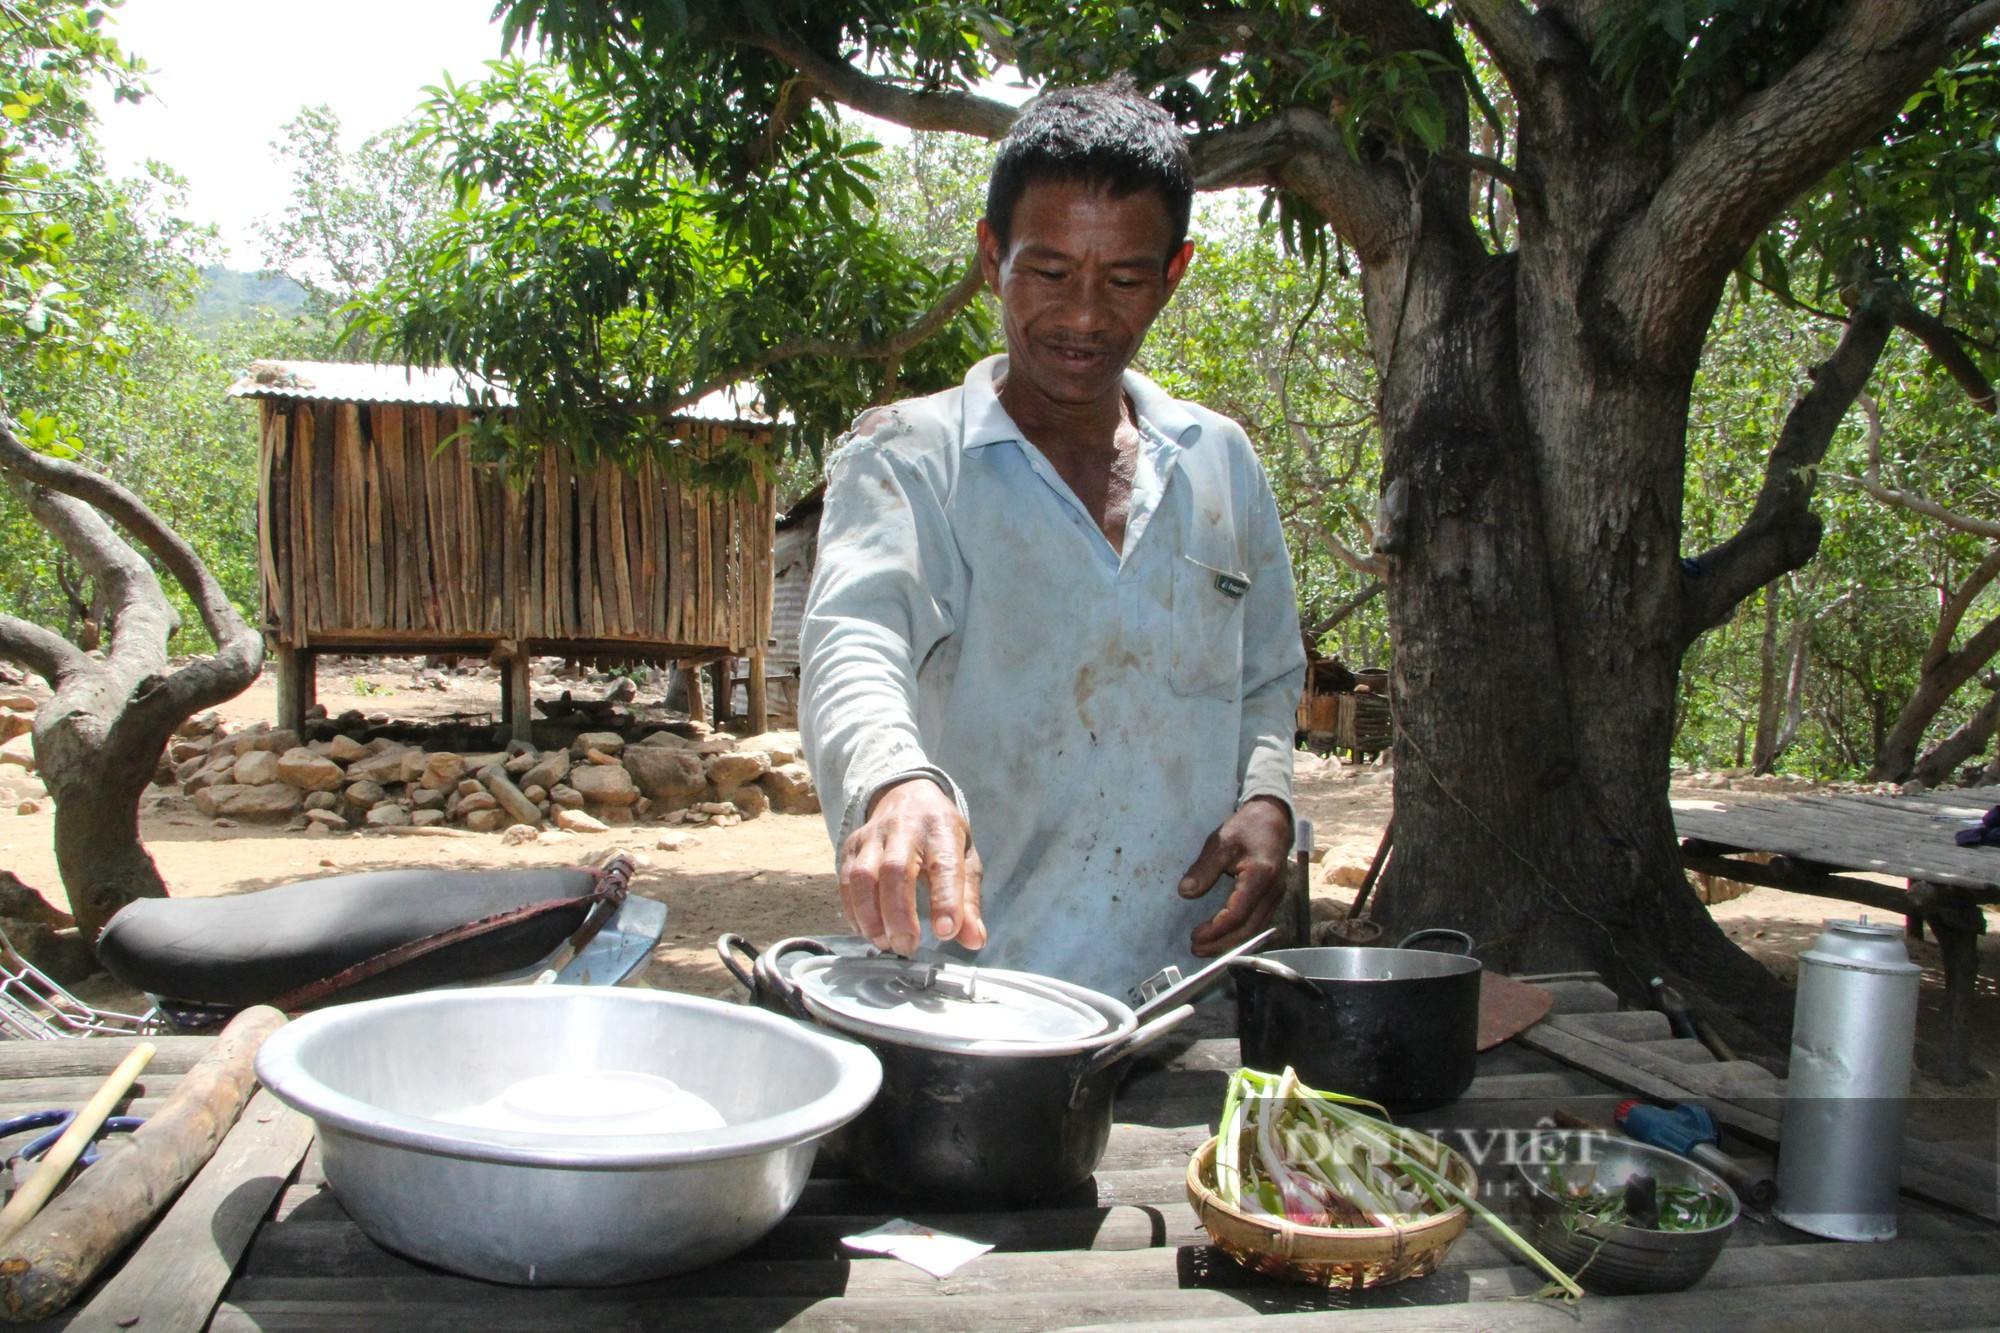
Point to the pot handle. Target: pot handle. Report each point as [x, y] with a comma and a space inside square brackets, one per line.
[788, 990]
[727, 946]
[1442, 932]
[1191, 988]
[1141, 1037]
[1270, 967]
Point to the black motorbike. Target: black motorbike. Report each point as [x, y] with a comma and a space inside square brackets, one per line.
[351, 937]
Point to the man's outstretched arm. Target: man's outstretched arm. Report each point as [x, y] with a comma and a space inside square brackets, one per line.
[880, 602]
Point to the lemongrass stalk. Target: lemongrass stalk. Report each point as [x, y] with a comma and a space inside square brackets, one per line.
[1444, 1183]
[1228, 1174]
[1269, 1158]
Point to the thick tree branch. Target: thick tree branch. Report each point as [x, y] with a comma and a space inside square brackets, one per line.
[1964, 664]
[1782, 533]
[1871, 482]
[1725, 190]
[1301, 150]
[1507, 30]
[884, 349]
[1974, 23]
[1480, 162]
[964, 113]
[139, 620]
[49, 655]
[217, 612]
[1956, 604]
[1348, 607]
[1942, 759]
[1374, 566]
[1943, 343]
[1298, 148]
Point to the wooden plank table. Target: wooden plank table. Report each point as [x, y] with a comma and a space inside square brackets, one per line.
[1123, 1252]
[1823, 844]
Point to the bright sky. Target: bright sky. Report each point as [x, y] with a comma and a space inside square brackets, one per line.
[228, 73]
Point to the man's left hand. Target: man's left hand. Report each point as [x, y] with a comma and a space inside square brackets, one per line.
[1252, 846]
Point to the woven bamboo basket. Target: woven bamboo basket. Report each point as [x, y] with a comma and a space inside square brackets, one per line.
[1352, 1258]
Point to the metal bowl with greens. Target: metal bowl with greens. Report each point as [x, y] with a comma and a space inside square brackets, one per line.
[1621, 1216]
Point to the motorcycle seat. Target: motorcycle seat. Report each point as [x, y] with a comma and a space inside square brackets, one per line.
[252, 948]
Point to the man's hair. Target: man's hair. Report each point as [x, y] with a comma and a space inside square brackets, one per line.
[1103, 135]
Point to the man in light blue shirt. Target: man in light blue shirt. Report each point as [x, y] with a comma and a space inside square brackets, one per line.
[1052, 654]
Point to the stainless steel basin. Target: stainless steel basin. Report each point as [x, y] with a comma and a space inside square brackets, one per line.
[563, 1205]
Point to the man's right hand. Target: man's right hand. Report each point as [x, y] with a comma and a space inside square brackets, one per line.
[913, 831]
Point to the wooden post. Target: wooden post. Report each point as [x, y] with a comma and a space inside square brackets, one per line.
[760, 715]
[725, 691]
[297, 687]
[1957, 923]
[1294, 918]
[696, 705]
[518, 698]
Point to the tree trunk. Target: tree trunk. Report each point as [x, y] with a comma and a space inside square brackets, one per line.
[1533, 738]
[1770, 704]
[1533, 482]
[103, 863]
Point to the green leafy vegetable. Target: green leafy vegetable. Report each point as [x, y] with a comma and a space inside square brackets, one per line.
[1665, 1207]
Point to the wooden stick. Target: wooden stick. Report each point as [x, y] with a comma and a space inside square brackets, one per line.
[92, 1222]
[171, 1284]
[28, 1200]
[1358, 909]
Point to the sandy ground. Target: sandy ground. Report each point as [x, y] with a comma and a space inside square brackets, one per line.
[773, 876]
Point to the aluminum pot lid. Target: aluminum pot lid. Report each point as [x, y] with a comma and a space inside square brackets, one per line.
[950, 1006]
[1865, 946]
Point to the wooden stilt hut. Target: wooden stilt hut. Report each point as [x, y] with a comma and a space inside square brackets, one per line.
[378, 533]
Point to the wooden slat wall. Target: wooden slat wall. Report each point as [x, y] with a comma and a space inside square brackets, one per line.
[369, 532]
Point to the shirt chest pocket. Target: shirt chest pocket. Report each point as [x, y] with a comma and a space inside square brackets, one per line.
[1208, 625]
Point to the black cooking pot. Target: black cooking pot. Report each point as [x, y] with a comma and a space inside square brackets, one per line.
[1397, 1026]
[966, 1120]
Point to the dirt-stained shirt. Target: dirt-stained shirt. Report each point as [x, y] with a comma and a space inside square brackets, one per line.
[1096, 713]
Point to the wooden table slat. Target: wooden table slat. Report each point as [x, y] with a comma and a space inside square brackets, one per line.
[172, 1282]
[1748, 1285]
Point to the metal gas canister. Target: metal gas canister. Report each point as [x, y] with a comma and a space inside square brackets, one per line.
[1840, 1161]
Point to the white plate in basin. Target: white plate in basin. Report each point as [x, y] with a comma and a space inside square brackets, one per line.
[601, 1101]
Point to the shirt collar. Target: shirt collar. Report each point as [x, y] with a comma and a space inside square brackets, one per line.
[986, 422]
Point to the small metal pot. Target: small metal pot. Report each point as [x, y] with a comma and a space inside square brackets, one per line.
[962, 1117]
[1397, 1026]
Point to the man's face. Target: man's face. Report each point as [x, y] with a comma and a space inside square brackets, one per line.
[1086, 275]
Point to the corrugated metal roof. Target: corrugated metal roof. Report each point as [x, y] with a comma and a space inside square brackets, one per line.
[350, 382]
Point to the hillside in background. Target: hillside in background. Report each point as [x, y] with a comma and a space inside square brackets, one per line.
[230, 294]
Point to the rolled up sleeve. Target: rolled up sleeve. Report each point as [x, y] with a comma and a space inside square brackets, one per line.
[1274, 659]
[880, 601]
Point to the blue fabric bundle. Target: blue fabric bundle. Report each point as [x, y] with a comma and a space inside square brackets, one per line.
[1986, 835]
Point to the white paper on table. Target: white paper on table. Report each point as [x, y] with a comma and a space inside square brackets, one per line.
[936, 1252]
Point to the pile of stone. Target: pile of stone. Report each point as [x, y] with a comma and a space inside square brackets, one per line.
[21, 792]
[328, 786]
